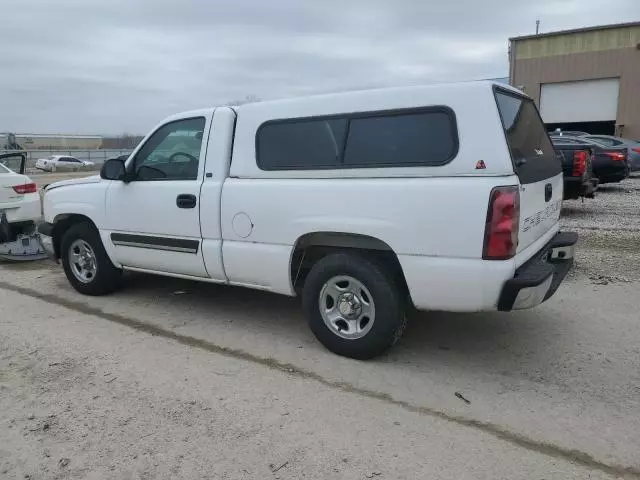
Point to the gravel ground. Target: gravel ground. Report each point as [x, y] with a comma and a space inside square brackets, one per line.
[609, 229]
[88, 399]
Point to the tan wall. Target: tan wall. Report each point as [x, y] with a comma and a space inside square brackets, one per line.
[623, 63]
[578, 42]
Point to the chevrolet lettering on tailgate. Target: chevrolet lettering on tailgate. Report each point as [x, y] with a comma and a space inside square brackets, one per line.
[538, 217]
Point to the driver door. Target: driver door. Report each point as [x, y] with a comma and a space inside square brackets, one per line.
[153, 221]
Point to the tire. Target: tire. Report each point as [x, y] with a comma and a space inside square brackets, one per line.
[389, 317]
[106, 278]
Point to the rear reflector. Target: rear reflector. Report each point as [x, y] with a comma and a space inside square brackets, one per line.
[26, 188]
[579, 163]
[616, 156]
[501, 228]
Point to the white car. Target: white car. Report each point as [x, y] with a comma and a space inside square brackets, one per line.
[20, 209]
[444, 197]
[19, 197]
[62, 162]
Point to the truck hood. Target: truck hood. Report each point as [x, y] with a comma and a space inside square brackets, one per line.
[73, 181]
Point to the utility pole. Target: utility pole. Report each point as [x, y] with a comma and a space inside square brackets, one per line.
[537, 27]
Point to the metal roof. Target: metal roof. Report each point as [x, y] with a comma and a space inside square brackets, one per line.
[578, 30]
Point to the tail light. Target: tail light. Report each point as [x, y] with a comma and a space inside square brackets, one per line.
[503, 219]
[636, 149]
[579, 162]
[26, 188]
[616, 156]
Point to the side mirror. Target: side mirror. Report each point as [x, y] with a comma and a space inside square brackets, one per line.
[113, 169]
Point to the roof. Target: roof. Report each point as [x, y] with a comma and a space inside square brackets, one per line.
[433, 90]
[578, 30]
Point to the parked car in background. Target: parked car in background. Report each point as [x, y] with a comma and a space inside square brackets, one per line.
[19, 198]
[19, 209]
[62, 162]
[576, 168]
[609, 164]
[632, 145]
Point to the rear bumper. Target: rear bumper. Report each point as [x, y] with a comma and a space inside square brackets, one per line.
[539, 278]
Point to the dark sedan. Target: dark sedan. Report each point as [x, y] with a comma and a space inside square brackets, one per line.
[609, 164]
[632, 145]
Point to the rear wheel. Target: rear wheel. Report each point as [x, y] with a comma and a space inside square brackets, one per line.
[86, 263]
[353, 305]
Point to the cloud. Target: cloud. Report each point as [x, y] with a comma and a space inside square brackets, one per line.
[122, 65]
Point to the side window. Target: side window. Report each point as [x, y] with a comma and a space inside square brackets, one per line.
[396, 139]
[12, 163]
[71, 160]
[425, 138]
[302, 144]
[172, 152]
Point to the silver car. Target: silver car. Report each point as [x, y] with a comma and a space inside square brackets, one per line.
[62, 162]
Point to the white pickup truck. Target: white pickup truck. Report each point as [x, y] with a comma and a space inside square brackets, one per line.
[444, 197]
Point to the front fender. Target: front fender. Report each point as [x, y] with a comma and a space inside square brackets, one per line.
[80, 199]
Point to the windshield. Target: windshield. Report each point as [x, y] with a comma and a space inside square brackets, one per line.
[4, 169]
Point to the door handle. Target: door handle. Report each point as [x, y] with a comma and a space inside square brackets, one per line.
[186, 200]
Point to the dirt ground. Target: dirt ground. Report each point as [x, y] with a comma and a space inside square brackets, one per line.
[173, 379]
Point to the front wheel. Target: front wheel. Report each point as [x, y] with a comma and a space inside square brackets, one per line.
[86, 263]
[354, 305]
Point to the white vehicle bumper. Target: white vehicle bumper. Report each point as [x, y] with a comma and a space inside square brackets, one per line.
[469, 285]
[27, 209]
[539, 278]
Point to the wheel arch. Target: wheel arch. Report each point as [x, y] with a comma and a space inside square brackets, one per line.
[61, 223]
[312, 246]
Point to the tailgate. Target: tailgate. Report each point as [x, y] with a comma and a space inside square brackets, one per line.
[540, 205]
[535, 163]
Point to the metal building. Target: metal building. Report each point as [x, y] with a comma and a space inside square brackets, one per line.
[585, 79]
[35, 141]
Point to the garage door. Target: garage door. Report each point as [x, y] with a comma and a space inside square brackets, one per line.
[584, 101]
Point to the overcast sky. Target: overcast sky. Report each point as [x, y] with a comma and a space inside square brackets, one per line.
[113, 66]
